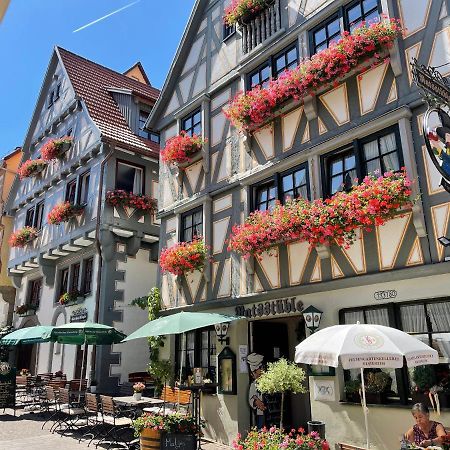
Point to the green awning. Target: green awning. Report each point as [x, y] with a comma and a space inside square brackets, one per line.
[28, 335]
[86, 333]
[179, 323]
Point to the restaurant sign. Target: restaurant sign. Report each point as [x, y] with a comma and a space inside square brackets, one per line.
[7, 386]
[79, 315]
[270, 308]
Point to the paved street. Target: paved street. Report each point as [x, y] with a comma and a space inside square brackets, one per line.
[24, 432]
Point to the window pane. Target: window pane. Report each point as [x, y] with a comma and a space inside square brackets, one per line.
[369, 5]
[265, 73]
[254, 80]
[336, 184]
[280, 63]
[439, 314]
[350, 162]
[337, 167]
[334, 28]
[391, 162]
[371, 150]
[292, 56]
[197, 117]
[372, 17]
[413, 319]
[300, 177]
[388, 143]
[349, 179]
[125, 177]
[187, 235]
[320, 36]
[373, 166]
[301, 192]
[354, 13]
[352, 317]
[197, 129]
[288, 183]
[378, 316]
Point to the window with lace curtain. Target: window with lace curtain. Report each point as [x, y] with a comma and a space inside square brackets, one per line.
[428, 321]
[130, 177]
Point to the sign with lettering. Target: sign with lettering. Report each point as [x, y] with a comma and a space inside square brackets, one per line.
[79, 315]
[178, 441]
[270, 308]
[385, 295]
[7, 386]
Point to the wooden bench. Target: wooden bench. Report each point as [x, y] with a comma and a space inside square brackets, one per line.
[347, 447]
[175, 398]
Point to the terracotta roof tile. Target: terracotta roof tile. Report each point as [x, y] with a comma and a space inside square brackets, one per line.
[91, 82]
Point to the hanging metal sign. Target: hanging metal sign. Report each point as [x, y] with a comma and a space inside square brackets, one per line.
[436, 91]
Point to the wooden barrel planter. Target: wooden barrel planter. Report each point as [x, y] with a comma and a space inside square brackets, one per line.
[150, 439]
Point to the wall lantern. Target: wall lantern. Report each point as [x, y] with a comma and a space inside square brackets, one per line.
[226, 361]
[221, 332]
[444, 240]
[312, 318]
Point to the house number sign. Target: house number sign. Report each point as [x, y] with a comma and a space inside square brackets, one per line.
[385, 295]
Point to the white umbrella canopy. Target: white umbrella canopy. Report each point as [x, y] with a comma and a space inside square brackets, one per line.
[362, 347]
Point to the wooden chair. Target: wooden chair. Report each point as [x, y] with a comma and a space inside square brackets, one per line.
[347, 447]
[93, 417]
[174, 398]
[70, 411]
[50, 404]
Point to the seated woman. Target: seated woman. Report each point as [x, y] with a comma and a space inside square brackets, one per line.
[425, 432]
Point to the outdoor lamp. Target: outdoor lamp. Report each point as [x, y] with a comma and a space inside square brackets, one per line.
[221, 332]
[312, 318]
[444, 240]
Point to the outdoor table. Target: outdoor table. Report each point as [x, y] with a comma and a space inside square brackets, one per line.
[196, 390]
[137, 405]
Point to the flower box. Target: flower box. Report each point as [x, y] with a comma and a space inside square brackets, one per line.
[181, 148]
[124, 198]
[324, 222]
[25, 310]
[70, 298]
[242, 11]
[248, 111]
[63, 212]
[55, 148]
[183, 257]
[22, 237]
[31, 168]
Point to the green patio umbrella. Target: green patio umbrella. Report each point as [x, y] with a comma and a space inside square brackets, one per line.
[28, 335]
[179, 323]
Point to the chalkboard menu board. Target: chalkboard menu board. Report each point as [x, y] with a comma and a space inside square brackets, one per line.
[7, 386]
[178, 441]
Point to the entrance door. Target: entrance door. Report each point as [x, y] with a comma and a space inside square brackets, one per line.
[25, 357]
[78, 362]
[270, 339]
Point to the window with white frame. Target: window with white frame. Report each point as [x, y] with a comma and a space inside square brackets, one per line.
[129, 177]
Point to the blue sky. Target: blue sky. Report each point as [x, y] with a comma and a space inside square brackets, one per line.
[148, 31]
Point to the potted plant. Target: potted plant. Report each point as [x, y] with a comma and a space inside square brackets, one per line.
[281, 377]
[58, 375]
[138, 388]
[424, 378]
[69, 297]
[24, 309]
[241, 11]
[123, 198]
[352, 389]
[31, 168]
[377, 384]
[22, 237]
[181, 148]
[274, 438]
[63, 212]
[93, 387]
[180, 428]
[148, 429]
[55, 148]
[183, 257]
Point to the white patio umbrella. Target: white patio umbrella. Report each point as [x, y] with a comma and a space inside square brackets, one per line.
[364, 346]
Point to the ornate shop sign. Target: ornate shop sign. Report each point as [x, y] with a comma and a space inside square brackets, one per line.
[79, 315]
[436, 121]
[270, 308]
[385, 295]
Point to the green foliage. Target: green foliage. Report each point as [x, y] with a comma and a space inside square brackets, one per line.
[140, 302]
[161, 372]
[172, 423]
[378, 382]
[352, 386]
[424, 377]
[282, 376]
[4, 349]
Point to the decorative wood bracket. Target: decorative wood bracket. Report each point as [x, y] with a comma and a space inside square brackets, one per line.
[47, 269]
[394, 54]
[205, 157]
[419, 219]
[250, 265]
[207, 272]
[323, 251]
[246, 141]
[133, 245]
[16, 280]
[310, 107]
[179, 282]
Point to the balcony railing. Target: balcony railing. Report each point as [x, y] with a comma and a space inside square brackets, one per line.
[261, 27]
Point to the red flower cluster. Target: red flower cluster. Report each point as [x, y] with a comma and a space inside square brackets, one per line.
[250, 110]
[180, 148]
[238, 9]
[336, 219]
[183, 257]
[124, 198]
[54, 147]
[63, 212]
[22, 237]
[31, 167]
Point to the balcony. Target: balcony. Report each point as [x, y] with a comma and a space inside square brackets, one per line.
[261, 27]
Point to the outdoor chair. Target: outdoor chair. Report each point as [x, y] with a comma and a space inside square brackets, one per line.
[116, 420]
[175, 400]
[70, 412]
[126, 389]
[94, 420]
[347, 447]
[50, 404]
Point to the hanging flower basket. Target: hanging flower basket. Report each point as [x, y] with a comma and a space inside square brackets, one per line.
[181, 148]
[124, 198]
[323, 222]
[248, 111]
[22, 237]
[63, 212]
[183, 257]
[241, 11]
[55, 148]
[25, 310]
[31, 168]
[69, 297]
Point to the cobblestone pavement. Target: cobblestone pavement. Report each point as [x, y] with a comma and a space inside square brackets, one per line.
[24, 433]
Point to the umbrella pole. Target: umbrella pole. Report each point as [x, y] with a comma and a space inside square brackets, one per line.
[83, 364]
[364, 405]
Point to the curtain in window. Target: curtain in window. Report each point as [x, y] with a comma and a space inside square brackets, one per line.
[388, 147]
[137, 182]
[413, 319]
[439, 314]
[352, 317]
[378, 316]
[371, 157]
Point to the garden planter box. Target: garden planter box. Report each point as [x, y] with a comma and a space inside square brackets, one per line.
[178, 441]
[353, 398]
[376, 398]
[150, 439]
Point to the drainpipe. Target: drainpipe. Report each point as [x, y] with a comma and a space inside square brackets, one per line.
[100, 259]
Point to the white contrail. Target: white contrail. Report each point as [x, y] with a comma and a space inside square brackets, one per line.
[105, 17]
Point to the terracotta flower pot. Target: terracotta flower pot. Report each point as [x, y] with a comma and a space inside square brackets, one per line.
[150, 439]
